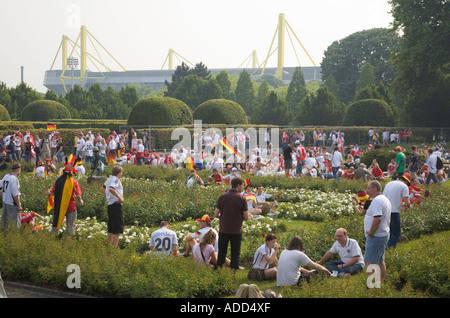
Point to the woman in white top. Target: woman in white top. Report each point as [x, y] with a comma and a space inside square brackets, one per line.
[290, 264]
[266, 255]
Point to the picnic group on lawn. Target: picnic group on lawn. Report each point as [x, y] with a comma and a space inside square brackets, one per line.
[379, 207]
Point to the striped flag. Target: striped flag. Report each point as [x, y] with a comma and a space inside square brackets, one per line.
[225, 143]
[51, 127]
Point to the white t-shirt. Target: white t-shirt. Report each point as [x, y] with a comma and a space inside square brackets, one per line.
[380, 207]
[10, 187]
[259, 260]
[39, 171]
[395, 191]
[89, 148]
[336, 159]
[288, 268]
[262, 197]
[80, 144]
[350, 250]
[113, 182]
[162, 240]
[431, 163]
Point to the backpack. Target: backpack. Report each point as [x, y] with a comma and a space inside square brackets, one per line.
[439, 164]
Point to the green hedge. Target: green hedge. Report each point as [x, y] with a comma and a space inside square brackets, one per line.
[220, 111]
[160, 111]
[4, 114]
[41, 110]
[105, 272]
[367, 112]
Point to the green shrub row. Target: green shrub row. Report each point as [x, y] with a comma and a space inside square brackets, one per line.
[105, 271]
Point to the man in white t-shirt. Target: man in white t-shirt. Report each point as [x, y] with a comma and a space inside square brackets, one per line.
[10, 190]
[164, 241]
[89, 150]
[80, 146]
[351, 258]
[114, 197]
[376, 227]
[261, 197]
[397, 191]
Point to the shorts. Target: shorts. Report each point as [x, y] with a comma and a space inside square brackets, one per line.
[287, 164]
[375, 248]
[115, 218]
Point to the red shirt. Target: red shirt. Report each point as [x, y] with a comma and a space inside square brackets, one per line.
[377, 172]
[26, 217]
[348, 175]
[76, 191]
[232, 206]
[217, 178]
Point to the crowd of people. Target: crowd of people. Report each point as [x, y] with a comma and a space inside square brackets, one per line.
[380, 209]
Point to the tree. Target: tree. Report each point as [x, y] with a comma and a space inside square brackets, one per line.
[201, 71]
[180, 73]
[296, 90]
[194, 90]
[263, 91]
[421, 61]
[225, 85]
[129, 95]
[21, 95]
[320, 108]
[345, 59]
[330, 83]
[366, 77]
[245, 95]
[272, 111]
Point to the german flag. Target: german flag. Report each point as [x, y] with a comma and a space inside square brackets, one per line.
[50, 203]
[51, 127]
[63, 193]
[225, 143]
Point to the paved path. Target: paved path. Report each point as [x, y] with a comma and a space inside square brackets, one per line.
[20, 290]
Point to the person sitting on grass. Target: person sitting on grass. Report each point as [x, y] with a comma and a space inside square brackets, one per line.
[204, 252]
[290, 271]
[351, 258]
[266, 255]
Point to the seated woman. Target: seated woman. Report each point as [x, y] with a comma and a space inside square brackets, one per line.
[204, 252]
[266, 255]
[290, 270]
[349, 162]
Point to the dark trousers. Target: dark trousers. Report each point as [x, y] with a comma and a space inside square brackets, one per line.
[395, 230]
[235, 244]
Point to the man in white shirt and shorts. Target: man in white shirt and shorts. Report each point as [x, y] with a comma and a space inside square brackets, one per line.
[376, 228]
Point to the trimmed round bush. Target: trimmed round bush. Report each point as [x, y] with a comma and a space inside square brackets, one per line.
[160, 111]
[43, 110]
[220, 111]
[4, 114]
[368, 112]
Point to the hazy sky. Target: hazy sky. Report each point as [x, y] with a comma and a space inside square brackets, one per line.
[139, 33]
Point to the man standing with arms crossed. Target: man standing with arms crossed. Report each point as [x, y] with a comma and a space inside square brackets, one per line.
[232, 210]
[11, 197]
[376, 228]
